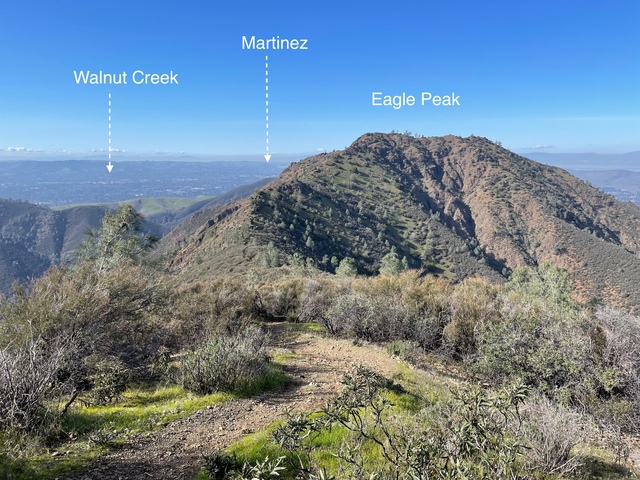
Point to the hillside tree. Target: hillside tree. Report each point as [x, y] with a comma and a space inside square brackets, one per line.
[119, 239]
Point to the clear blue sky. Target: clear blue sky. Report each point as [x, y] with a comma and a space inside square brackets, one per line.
[561, 75]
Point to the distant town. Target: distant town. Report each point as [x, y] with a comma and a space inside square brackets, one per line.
[59, 183]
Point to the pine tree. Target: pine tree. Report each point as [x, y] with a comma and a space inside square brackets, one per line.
[392, 264]
[119, 239]
[347, 268]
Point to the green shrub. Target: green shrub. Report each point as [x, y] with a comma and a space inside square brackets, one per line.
[110, 380]
[226, 362]
[470, 436]
[219, 466]
[404, 349]
[547, 347]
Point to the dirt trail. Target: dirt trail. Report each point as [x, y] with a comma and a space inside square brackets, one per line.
[315, 371]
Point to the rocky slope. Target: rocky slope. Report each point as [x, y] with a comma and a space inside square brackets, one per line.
[452, 206]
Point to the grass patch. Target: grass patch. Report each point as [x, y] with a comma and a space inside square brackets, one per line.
[91, 431]
[274, 379]
[143, 410]
[421, 386]
[257, 445]
[283, 357]
[600, 464]
[312, 327]
[35, 463]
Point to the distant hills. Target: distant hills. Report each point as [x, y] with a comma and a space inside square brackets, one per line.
[617, 174]
[619, 179]
[33, 237]
[589, 161]
[452, 206]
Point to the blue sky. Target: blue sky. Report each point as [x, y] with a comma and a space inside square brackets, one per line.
[558, 76]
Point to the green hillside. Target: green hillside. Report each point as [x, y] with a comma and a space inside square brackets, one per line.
[452, 206]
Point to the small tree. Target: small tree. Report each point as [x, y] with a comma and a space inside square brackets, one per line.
[119, 239]
[427, 252]
[347, 268]
[392, 264]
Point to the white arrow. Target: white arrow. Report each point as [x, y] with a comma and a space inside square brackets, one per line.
[267, 157]
[110, 167]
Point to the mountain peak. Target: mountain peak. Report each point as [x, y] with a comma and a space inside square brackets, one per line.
[450, 206]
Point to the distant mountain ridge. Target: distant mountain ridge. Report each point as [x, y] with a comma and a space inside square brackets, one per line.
[454, 206]
[588, 161]
[33, 237]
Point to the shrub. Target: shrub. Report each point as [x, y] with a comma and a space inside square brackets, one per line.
[547, 347]
[403, 349]
[263, 470]
[219, 465]
[468, 436]
[203, 310]
[49, 330]
[385, 308]
[226, 362]
[280, 300]
[110, 380]
[472, 304]
[317, 297]
[427, 331]
[550, 432]
[347, 313]
[94, 308]
[621, 346]
[546, 281]
[29, 377]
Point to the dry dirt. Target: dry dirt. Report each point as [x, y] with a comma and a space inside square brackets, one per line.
[315, 370]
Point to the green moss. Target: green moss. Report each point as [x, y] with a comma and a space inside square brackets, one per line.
[143, 410]
[256, 446]
[95, 429]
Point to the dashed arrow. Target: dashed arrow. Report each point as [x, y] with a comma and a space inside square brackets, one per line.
[267, 157]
